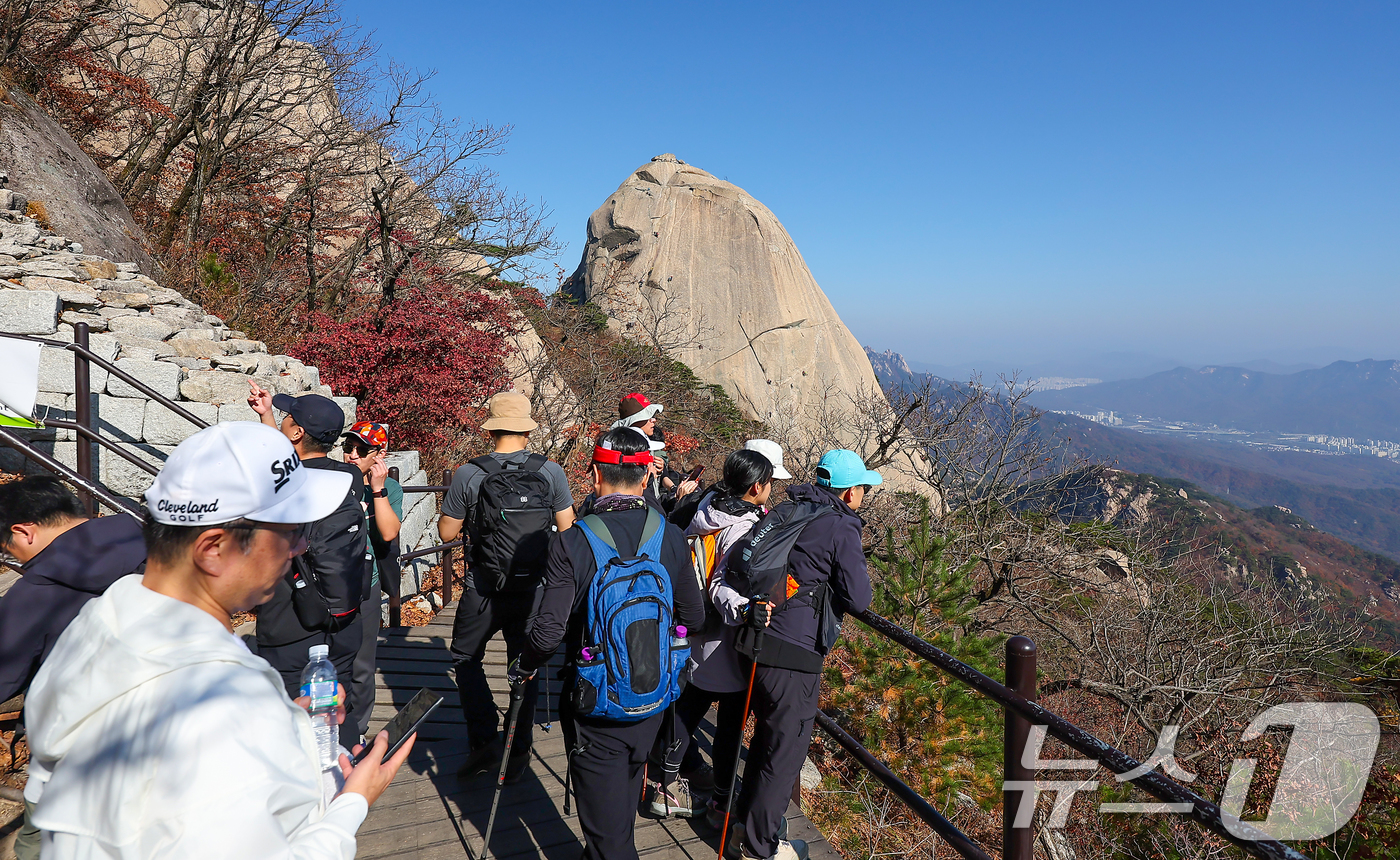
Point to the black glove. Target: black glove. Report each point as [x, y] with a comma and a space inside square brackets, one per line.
[517, 675]
[760, 613]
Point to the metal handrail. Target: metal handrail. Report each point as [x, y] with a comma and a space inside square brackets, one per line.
[911, 798]
[111, 368]
[1203, 811]
[104, 442]
[409, 556]
[395, 600]
[116, 503]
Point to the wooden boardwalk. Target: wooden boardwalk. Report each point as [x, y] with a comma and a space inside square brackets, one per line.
[427, 814]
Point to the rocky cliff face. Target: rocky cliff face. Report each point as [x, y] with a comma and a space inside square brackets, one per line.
[890, 367]
[79, 202]
[680, 257]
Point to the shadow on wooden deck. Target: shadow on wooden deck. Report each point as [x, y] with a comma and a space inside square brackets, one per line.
[428, 814]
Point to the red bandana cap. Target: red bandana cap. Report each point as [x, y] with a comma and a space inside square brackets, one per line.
[605, 454]
[372, 434]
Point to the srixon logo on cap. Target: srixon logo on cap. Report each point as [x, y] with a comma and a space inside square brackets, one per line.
[283, 469]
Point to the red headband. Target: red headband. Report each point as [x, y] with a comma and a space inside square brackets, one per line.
[617, 458]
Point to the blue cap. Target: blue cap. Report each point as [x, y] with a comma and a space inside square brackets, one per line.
[840, 469]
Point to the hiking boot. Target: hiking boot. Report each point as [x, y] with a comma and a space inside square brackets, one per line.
[676, 800]
[483, 759]
[714, 813]
[794, 850]
[734, 848]
[516, 767]
[702, 779]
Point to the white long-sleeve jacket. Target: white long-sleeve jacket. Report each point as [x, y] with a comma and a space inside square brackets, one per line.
[155, 733]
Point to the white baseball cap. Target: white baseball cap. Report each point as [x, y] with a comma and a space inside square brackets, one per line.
[774, 452]
[242, 470]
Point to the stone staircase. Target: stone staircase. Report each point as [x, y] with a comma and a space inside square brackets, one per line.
[48, 285]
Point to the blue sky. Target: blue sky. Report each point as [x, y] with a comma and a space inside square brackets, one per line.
[1009, 185]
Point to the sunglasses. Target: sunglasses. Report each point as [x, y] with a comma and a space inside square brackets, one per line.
[293, 531]
[357, 449]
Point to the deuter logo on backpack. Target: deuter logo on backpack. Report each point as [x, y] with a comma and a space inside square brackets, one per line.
[514, 518]
[630, 666]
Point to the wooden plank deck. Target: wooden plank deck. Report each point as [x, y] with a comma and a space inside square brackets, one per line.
[427, 814]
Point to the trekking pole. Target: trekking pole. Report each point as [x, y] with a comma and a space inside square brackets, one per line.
[517, 695]
[739, 743]
[548, 715]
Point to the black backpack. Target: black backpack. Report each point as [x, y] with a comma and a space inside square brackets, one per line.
[514, 518]
[759, 567]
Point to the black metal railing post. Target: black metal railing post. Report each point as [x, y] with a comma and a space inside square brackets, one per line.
[1017, 842]
[395, 602]
[82, 408]
[447, 553]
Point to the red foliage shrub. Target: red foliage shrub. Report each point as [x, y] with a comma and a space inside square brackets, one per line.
[422, 364]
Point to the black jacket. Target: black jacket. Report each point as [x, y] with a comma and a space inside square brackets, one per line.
[560, 613]
[79, 565]
[336, 548]
[828, 550]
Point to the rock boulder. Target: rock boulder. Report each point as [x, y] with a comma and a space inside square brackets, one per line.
[45, 165]
[675, 242]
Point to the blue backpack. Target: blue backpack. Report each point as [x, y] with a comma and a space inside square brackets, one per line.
[633, 669]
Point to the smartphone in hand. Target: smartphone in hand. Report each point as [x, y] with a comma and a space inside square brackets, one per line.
[405, 723]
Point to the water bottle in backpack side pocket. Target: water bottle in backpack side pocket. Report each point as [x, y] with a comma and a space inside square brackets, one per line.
[318, 681]
[680, 658]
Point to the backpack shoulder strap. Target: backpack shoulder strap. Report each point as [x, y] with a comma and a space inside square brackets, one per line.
[652, 532]
[488, 464]
[600, 540]
[534, 462]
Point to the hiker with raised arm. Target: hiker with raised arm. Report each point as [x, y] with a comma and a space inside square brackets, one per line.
[66, 559]
[617, 592]
[510, 502]
[364, 446]
[154, 731]
[319, 604]
[802, 567]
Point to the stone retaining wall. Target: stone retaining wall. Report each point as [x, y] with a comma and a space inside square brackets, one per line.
[48, 285]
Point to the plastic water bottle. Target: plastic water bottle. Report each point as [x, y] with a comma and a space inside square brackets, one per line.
[678, 639]
[318, 681]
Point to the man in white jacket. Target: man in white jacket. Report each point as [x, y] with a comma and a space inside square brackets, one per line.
[155, 733]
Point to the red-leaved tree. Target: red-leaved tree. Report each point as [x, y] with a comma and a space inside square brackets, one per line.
[424, 364]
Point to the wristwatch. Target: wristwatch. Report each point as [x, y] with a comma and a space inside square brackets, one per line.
[381, 494]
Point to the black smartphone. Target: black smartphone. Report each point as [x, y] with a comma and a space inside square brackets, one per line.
[695, 473]
[407, 721]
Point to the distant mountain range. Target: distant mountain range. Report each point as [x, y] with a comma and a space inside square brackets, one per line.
[1359, 399]
[1108, 366]
[1353, 497]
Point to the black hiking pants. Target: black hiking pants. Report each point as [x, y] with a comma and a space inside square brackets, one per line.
[785, 708]
[478, 619]
[676, 749]
[607, 763]
[362, 675]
